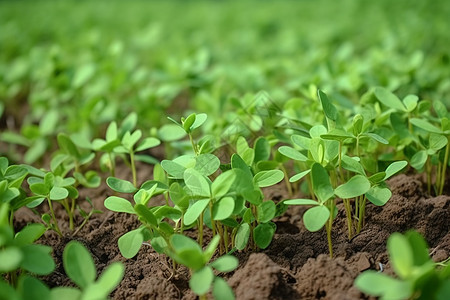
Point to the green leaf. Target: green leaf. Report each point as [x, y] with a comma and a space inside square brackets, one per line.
[225, 263]
[394, 168]
[379, 284]
[354, 187]
[10, 259]
[49, 122]
[419, 248]
[242, 236]
[268, 178]
[29, 234]
[299, 176]
[301, 202]
[262, 149]
[352, 164]
[39, 189]
[119, 204]
[223, 183]
[301, 141]
[111, 132]
[207, 164]
[130, 243]
[107, 281]
[321, 183]
[292, 153]
[400, 255]
[316, 217]
[437, 141]
[187, 252]
[65, 293]
[171, 132]
[146, 214]
[172, 168]
[130, 139]
[187, 123]
[376, 137]
[199, 120]
[410, 102]
[221, 290]
[58, 193]
[389, 99]
[32, 288]
[201, 280]
[263, 235]
[223, 208]
[337, 135]
[328, 108]
[78, 264]
[194, 211]
[120, 185]
[148, 143]
[379, 195]
[419, 159]
[178, 196]
[167, 212]
[197, 183]
[66, 145]
[266, 211]
[425, 125]
[211, 249]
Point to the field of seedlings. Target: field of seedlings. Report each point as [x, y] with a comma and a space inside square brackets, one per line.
[224, 149]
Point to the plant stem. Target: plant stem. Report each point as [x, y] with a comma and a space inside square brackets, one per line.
[444, 167]
[341, 171]
[82, 224]
[69, 212]
[328, 227]
[133, 168]
[362, 212]
[54, 217]
[348, 213]
[225, 238]
[213, 223]
[200, 230]
[286, 180]
[428, 166]
[194, 147]
[112, 165]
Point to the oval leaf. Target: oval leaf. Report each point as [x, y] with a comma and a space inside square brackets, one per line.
[315, 217]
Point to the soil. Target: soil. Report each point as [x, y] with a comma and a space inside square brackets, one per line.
[296, 265]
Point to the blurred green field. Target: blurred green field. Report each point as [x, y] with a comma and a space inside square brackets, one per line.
[91, 62]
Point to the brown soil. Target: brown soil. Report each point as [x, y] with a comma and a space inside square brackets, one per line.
[295, 266]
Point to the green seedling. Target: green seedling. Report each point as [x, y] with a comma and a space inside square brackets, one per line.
[53, 188]
[71, 157]
[19, 254]
[187, 252]
[108, 145]
[437, 147]
[418, 277]
[153, 228]
[189, 124]
[11, 192]
[256, 218]
[36, 138]
[80, 268]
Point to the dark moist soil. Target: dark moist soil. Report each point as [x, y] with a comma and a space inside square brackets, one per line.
[295, 266]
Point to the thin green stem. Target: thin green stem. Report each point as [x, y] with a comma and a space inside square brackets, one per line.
[428, 167]
[444, 167]
[55, 222]
[213, 223]
[225, 238]
[65, 203]
[341, 170]
[133, 168]
[194, 147]
[286, 180]
[200, 230]
[329, 226]
[362, 212]
[112, 165]
[348, 213]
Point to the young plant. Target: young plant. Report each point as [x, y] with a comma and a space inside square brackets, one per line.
[418, 276]
[80, 268]
[11, 192]
[153, 227]
[19, 254]
[187, 252]
[437, 146]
